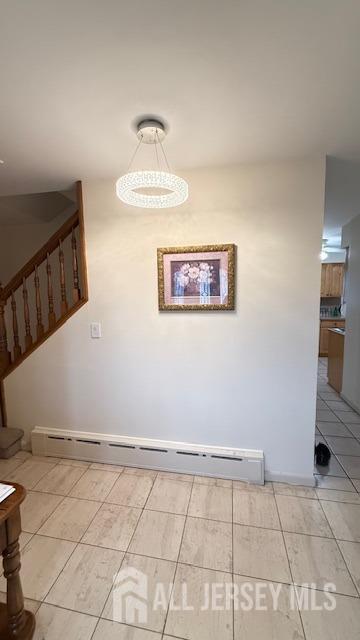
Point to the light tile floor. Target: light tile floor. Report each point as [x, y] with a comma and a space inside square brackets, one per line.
[84, 522]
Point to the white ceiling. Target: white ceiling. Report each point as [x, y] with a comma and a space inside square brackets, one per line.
[237, 81]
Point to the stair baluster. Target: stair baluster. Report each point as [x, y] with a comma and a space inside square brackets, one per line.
[76, 287]
[64, 304]
[51, 314]
[28, 336]
[17, 348]
[39, 326]
[5, 357]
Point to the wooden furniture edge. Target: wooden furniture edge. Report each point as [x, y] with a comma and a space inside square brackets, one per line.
[16, 622]
[3, 405]
[14, 499]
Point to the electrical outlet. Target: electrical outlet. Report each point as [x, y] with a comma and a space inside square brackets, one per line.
[95, 330]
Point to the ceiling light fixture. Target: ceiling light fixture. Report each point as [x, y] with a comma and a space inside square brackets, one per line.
[155, 189]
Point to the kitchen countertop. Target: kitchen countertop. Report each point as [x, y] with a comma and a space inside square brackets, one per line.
[333, 318]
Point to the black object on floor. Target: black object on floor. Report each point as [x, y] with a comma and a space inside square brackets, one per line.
[322, 454]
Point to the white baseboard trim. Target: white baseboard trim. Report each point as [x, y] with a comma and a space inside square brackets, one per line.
[181, 457]
[289, 478]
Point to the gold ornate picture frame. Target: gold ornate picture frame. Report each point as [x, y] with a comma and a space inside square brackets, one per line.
[198, 278]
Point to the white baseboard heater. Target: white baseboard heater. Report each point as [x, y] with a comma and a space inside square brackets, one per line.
[180, 457]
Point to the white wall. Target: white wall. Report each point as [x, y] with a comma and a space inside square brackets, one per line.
[351, 375]
[243, 379]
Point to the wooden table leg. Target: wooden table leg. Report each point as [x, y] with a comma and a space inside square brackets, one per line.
[15, 622]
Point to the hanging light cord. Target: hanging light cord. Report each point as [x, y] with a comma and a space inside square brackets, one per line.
[134, 154]
[157, 141]
[162, 149]
[156, 152]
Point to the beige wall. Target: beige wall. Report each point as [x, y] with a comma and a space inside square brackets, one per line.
[18, 243]
[245, 378]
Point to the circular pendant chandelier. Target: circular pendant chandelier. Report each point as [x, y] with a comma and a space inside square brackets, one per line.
[152, 189]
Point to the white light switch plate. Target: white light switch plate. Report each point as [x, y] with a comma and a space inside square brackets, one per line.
[95, 330]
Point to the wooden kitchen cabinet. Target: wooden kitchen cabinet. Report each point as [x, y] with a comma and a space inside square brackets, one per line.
[324, 342]
[332, 280]
[336, 360]
[325, 325]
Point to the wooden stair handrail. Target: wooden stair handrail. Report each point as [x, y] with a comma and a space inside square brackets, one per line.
[40, 256]
[14, 349]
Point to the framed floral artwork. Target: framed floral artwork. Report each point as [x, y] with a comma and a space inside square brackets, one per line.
[196, 278]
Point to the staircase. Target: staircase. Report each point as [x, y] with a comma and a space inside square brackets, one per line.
[44, 293]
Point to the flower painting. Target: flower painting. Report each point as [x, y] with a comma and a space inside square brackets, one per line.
[196, 278]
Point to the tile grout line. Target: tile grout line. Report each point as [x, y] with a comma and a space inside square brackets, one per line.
[47, 473]
[55, 509]
[178, 556]
[340, 551]
[47, 517]
[350, 479]
[68, 496]
[345, 425]
[95, 629]
[127, 552]
[341, 422]
[196, 566]
[76, 546]
[289, 565]
[229, 573]
[73, 551]
[242, 524]
[58, 576]
[127, 548]
[109, 491]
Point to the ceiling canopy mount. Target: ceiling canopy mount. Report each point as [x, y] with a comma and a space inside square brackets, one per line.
[151, 131]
